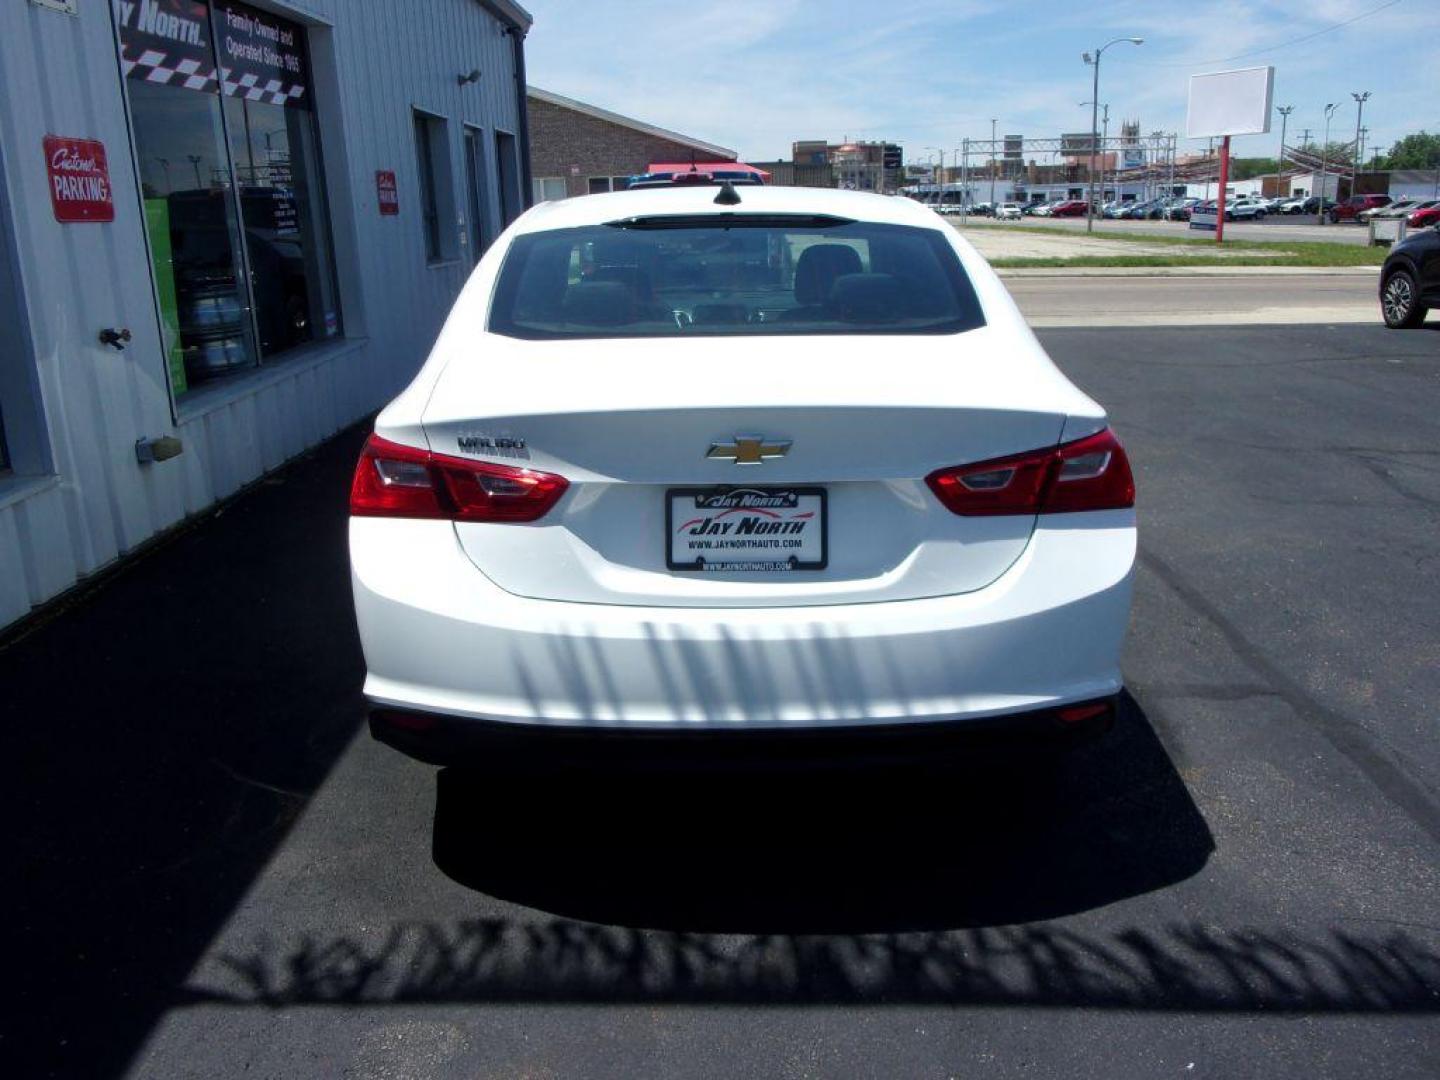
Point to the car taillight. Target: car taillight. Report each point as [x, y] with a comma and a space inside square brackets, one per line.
[400, 481]
[1092, 473]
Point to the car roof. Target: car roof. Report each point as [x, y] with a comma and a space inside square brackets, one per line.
[598, 209]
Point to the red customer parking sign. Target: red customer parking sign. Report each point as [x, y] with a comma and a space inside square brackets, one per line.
[389, 194]
[79, 179]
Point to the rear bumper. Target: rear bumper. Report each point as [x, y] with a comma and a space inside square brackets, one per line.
[460, 740]
[440, 638]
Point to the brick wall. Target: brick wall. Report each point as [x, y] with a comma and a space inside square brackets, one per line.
[562, 140]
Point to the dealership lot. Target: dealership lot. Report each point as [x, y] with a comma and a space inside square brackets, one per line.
[224, 876]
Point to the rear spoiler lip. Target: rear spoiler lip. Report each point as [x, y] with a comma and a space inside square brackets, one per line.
[729, 220]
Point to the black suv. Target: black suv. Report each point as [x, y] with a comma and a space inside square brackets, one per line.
[1410, 279]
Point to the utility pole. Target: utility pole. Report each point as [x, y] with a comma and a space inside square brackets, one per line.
[993, 122]
[1360, 99]
[1324, 150]
[964, 181]
[1284, 111]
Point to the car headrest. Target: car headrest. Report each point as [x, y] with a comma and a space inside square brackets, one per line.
[866, 298]
[599, 303]
[819, 266]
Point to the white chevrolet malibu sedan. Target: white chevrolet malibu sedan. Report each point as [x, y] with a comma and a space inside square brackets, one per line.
[700, 459]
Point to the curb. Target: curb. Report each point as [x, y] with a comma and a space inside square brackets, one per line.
[1189, 271]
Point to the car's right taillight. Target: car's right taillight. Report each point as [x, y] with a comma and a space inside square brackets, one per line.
[1092, 473]
[392, 480]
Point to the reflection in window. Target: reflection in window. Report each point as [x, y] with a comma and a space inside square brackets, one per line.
[276, 154]
[238, 279]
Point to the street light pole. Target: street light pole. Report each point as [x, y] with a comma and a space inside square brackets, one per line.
[1284, 111]
[1360, 99]
[1324, 151]
[1094, 122]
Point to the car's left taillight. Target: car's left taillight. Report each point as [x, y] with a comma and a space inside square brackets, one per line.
[1092, 473]
[392, 480]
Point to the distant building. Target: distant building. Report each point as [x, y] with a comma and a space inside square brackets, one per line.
[581, 149]
[855, 166]
[795, 174]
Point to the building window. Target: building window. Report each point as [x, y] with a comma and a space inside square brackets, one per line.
[476, 188]
[228, 157]
[599, 184]
[549, 188]
[428, 131]
[507, 168]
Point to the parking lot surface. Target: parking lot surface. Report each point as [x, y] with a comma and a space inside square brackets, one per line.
[1285, 227]
[222, 876]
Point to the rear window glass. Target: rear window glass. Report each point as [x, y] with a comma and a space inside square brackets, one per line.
[682, 277]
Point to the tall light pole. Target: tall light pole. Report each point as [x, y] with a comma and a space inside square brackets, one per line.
[1284, 111]
[1360, 99]
[993, 122]
[1324, 151]
[1094, 122]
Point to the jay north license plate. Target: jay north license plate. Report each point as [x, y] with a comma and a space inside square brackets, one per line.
[751, 528]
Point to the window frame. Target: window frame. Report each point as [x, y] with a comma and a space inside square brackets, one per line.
[432, 160]
[184, 405]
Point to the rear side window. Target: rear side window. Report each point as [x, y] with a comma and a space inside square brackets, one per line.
[685, 277]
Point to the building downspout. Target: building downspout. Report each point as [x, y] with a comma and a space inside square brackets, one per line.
[522, 111]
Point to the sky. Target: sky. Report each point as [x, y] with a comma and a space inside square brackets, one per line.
[756, 75]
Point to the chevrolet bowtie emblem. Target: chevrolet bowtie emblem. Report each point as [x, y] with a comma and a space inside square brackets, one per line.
[749, 449]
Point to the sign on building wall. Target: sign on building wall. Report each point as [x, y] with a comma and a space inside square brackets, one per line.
[262, 57]
[79, 179]
[388, 192]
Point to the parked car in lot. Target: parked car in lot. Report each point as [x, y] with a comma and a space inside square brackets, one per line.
[1410, 279]
[1291, 206]
[1401, 209]
[553, 527]
[1246, 210]
[1034, 209]
[1179, 209]
[1352, 207]
[1429, 214]
[1068, 208]
[1312, 205]
[1008, 211]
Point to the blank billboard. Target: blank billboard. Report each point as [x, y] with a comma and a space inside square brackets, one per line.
[1230, 103]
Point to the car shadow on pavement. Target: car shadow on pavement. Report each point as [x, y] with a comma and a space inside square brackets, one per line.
[868, 845]
[161, 735]
[857, 883]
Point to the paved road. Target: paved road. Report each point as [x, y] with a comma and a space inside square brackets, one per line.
[1207, 300]
[1283, 227]
[219, 876]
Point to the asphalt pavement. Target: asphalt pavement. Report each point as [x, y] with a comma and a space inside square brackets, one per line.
[221, 875]
[1061, 298]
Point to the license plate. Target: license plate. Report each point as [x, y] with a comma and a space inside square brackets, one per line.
[745, 529]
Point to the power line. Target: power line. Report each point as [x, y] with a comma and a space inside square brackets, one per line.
[1277, 47]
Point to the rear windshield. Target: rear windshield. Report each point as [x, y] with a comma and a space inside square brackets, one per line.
[685, 277]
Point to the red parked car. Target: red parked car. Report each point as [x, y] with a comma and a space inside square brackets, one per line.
[1429, 214]
[1069, 208]
[1347, 210]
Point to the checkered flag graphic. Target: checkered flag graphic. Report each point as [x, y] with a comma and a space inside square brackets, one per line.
[250, 88]
[151, 65]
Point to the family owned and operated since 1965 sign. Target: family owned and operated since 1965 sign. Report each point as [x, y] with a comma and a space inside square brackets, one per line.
[79, 179]
[261, 56]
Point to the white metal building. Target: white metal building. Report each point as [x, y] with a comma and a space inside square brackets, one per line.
[266, 209]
